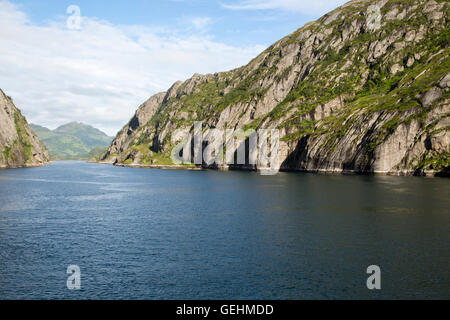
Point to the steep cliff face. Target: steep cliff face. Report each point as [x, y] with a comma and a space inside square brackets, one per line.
[19, 146]
[363, 89]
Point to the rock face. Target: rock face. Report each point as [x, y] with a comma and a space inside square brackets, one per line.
[19, 146]
[363, 89]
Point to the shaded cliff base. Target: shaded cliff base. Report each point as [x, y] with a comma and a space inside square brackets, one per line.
[337, 171]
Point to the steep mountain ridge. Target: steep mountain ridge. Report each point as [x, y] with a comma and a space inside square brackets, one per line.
[19, 146]
[363, 89]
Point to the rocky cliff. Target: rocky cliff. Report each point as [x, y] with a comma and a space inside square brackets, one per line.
[19, 146]
[363, 89]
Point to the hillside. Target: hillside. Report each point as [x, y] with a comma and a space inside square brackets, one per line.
[73, 141]
[349, 93]
[19, 146]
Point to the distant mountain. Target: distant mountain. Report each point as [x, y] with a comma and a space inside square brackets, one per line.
[72, 141]
[19, 147]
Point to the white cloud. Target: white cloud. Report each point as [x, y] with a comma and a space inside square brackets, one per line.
[308, 7]
[101, 73]
[200, 23]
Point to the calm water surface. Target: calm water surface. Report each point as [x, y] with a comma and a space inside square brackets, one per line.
[151, 234]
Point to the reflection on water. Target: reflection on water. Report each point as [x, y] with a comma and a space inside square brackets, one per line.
[151, 234]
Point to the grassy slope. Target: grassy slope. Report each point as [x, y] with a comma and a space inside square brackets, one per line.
[73, 141]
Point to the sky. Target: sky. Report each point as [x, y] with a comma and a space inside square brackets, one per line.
[122, 52]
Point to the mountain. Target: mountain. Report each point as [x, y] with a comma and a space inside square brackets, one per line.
[73, 141]
[19, 146]
[363, 89]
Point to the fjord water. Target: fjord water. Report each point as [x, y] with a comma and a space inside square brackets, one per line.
[153, 234]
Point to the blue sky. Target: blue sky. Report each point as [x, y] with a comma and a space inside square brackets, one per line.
[127, 51]
[225, 22]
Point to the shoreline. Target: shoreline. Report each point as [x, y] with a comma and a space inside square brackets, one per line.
[160, 166]
[33, 165]
[400, 173]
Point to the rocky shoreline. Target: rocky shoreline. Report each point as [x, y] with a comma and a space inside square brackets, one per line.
[162, 167]
[33, 165]
[400, 173]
